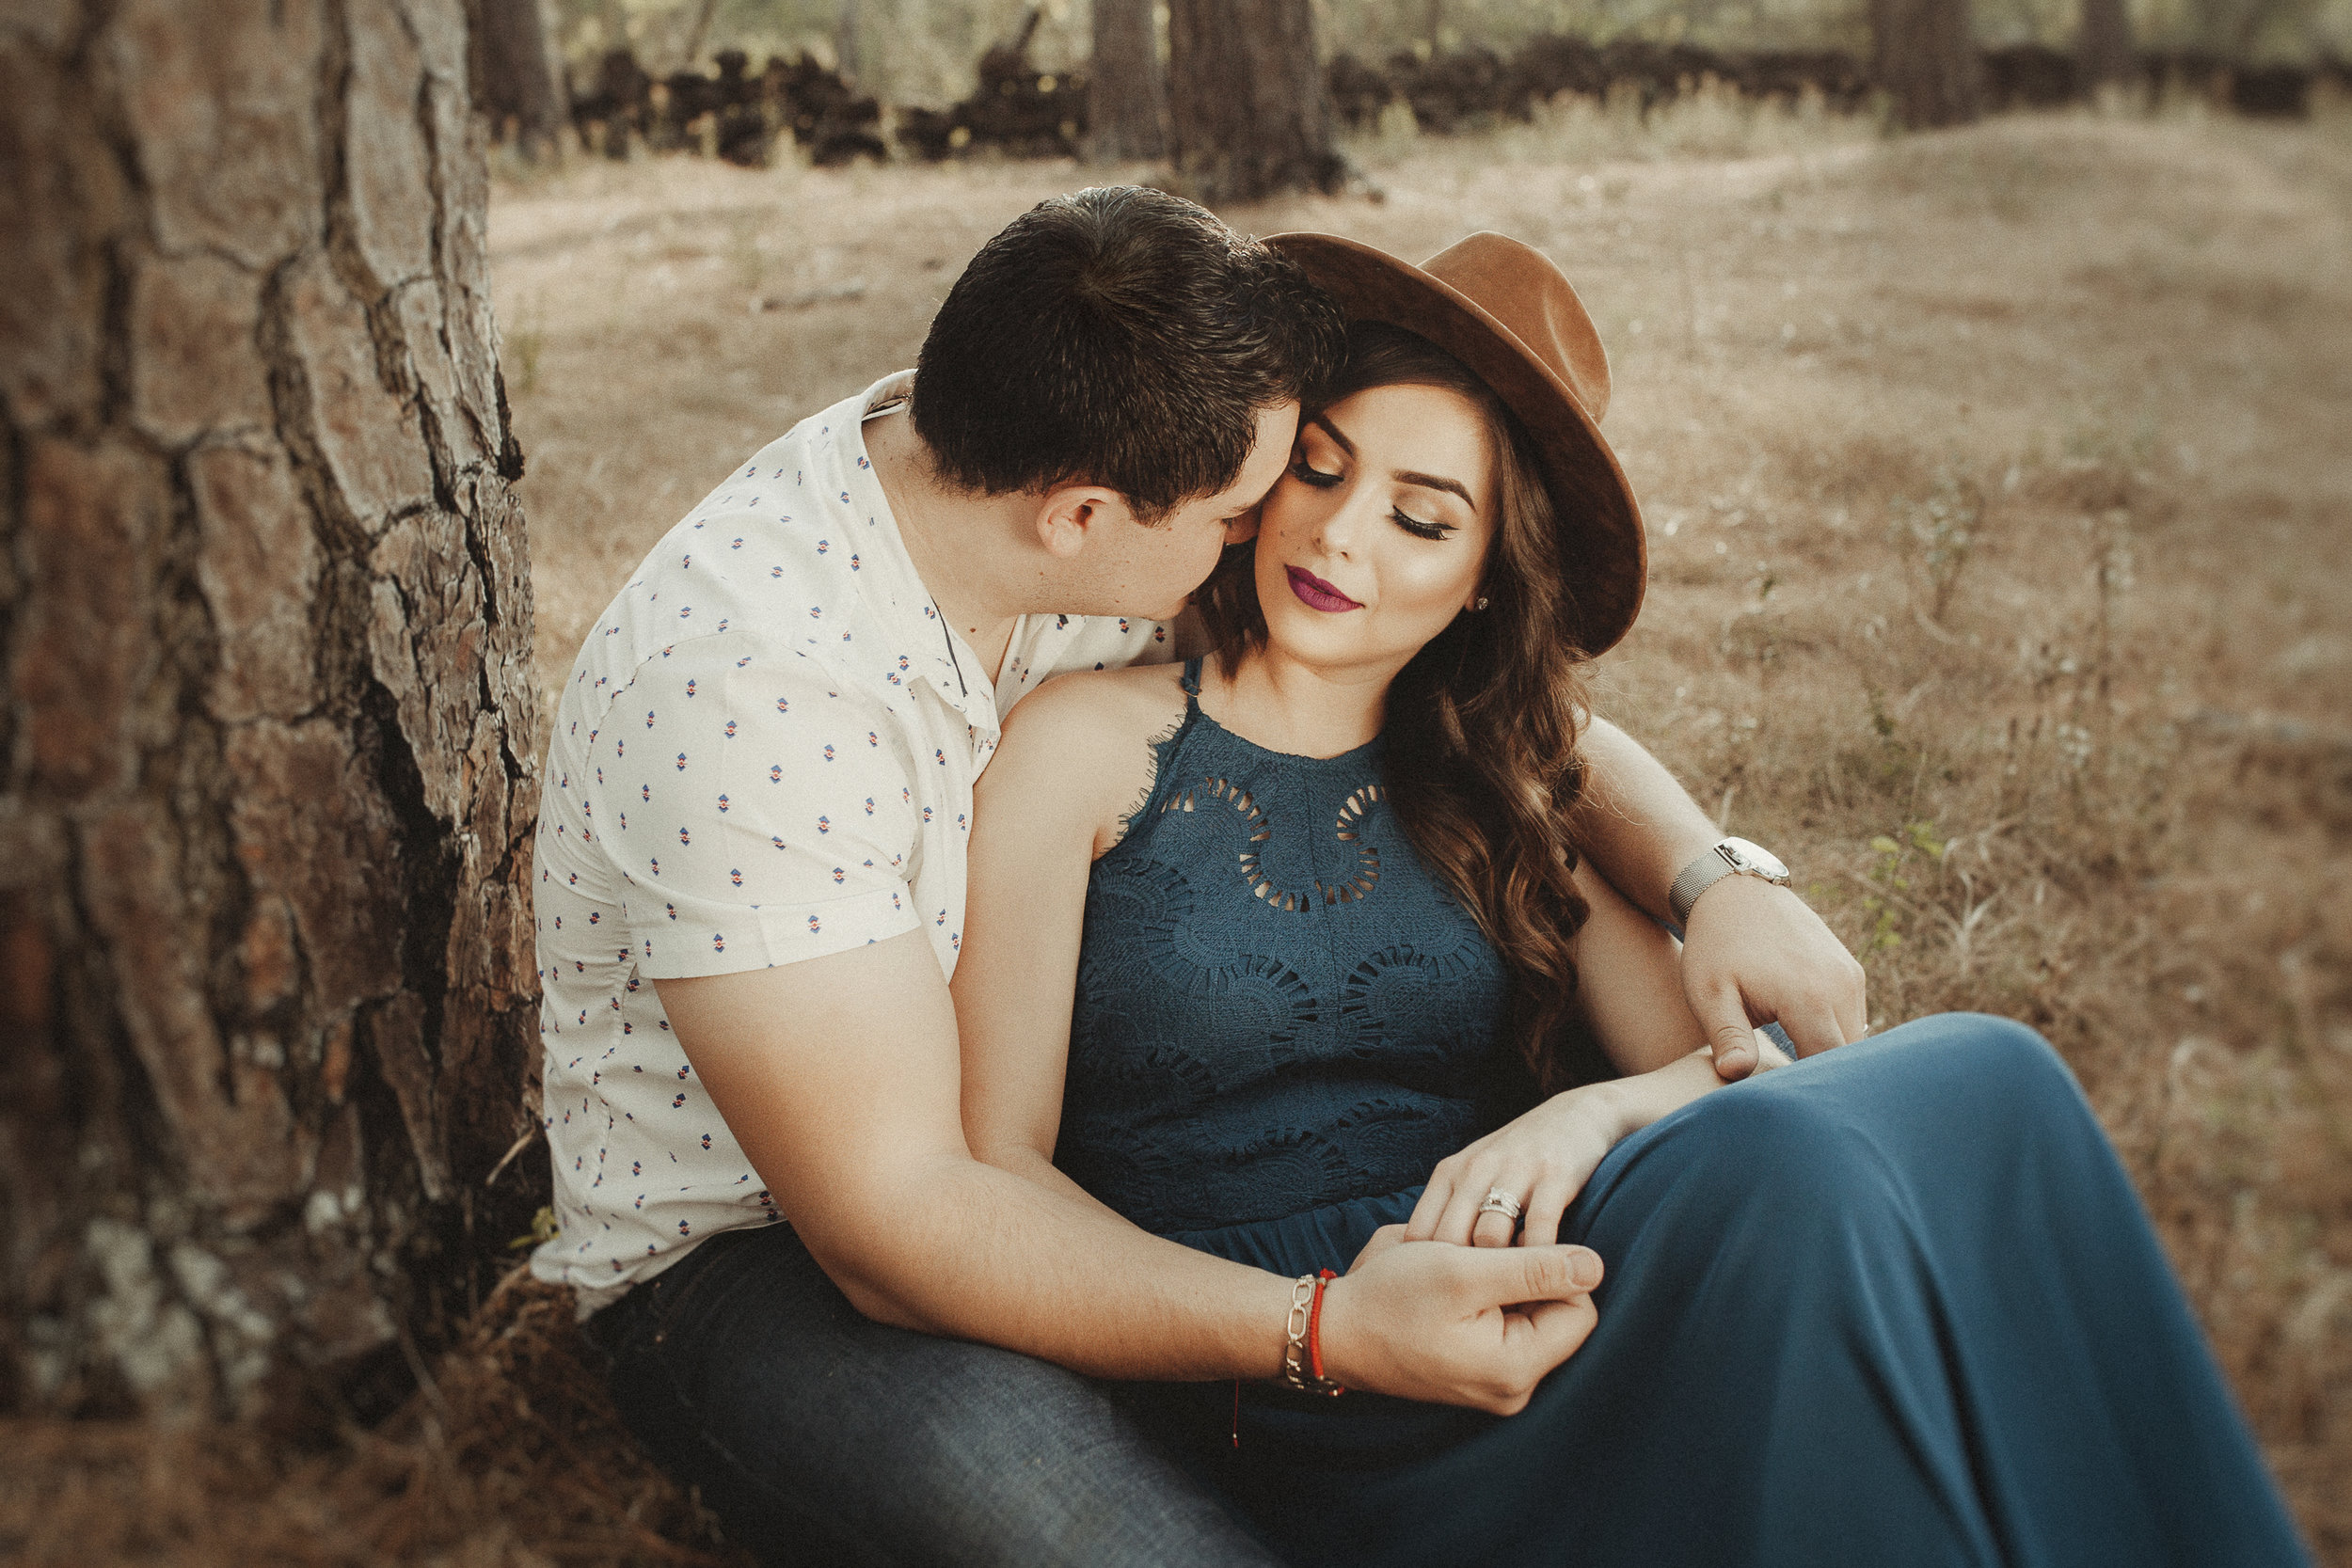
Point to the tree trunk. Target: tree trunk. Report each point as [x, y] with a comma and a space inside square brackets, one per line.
[516, 83]
[1126, 88]
[1924, 57]
[268, 742]
[848, 47]
[2102, 49]
[1247, 111]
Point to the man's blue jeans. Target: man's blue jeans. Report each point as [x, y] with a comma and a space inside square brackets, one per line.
[820, 1436]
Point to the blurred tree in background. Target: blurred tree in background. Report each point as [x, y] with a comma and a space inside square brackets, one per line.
[518, 75]
[933, 43]
[1923, 54]
[1249, 111]
[1126, 85]
[2103, 45]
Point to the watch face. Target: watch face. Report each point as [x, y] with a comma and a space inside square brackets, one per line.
[1754, 857]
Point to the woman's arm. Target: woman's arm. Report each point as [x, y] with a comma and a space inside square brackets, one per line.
[1629, 986]
[1077, 755]
[1757, 954]
[1630, 981]
[1058, 1274]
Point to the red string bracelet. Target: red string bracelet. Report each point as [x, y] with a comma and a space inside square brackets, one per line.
[1314, 1331]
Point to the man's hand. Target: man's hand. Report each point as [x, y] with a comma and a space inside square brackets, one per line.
[1474, 1326]
[1755, 953]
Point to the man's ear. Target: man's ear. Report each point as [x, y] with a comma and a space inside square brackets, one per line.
[1072, 513]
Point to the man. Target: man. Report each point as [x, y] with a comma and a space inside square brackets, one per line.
[750, 897]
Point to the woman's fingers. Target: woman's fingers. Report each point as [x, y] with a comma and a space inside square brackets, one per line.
[1421, 1224]
[1545, 1206]
[1461, 1206]
[1454, 1224]
[1468, 1215]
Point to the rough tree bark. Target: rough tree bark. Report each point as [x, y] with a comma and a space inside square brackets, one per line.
[1923, 56]
[515, 80]
[268, 741]
[1248, 112]
[2102, 48]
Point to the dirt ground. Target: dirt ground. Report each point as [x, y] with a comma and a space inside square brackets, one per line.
[1996, 485]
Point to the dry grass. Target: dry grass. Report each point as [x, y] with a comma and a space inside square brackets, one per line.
[510, 1457]
[1996, 485]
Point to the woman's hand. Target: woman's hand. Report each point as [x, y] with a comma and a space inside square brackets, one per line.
[1539, 1161]
[1542, 1160]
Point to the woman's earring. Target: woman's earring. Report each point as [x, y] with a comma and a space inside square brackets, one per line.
[1481, 603]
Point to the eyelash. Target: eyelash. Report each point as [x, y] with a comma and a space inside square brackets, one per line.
[1307, 473]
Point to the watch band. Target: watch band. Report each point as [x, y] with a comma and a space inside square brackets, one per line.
[1724, 859]
[1696, 877]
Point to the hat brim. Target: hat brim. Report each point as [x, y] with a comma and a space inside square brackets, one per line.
[1601, 543]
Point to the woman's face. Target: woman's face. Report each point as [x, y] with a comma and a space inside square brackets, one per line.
[1376, 536]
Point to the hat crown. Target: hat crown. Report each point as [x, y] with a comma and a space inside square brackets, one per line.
[1529, 296]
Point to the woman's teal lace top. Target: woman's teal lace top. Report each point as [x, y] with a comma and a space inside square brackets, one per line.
[1277, 1005]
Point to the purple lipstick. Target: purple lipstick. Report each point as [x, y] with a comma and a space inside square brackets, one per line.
[1316, 594]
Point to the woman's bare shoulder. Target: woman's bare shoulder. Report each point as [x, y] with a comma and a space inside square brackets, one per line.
[1112, 704]
[1090, 740]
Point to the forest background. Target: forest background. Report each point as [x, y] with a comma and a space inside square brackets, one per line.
[1995, 484]
[920, 51]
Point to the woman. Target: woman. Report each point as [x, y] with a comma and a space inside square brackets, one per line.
[1265, 950]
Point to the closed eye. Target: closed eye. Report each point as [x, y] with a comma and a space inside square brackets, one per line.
[1418, 528]
[1307, 473]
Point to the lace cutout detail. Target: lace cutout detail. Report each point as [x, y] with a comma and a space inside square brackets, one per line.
[1349, 830]
[1225, 1066]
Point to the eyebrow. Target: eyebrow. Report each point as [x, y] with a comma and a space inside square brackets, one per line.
[1427, 482]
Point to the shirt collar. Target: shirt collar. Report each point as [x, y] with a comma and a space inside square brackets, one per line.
[893, 589]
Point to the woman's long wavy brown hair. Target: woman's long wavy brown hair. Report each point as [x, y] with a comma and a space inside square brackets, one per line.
[1482, 726]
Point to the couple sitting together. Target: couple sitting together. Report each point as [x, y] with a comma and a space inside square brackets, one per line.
[997, 1130]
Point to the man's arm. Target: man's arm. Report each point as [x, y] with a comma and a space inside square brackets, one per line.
[839, 1077]
[1753, 953]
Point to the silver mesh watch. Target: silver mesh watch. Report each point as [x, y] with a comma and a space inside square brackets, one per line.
[1732, 855]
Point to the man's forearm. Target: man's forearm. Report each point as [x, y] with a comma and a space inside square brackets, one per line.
[978, 1253]
[1640, 827]
[1028, 1164]
[838, 1077]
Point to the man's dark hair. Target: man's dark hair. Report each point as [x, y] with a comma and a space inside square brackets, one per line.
[1120, 336]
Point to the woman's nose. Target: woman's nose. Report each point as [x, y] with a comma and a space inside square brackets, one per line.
[1342, 527]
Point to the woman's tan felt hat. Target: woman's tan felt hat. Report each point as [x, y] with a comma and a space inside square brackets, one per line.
[1507, 312]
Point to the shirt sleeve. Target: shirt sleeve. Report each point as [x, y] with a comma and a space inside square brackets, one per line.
[756, 809]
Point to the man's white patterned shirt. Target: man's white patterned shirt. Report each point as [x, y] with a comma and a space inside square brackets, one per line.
[765, 753]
